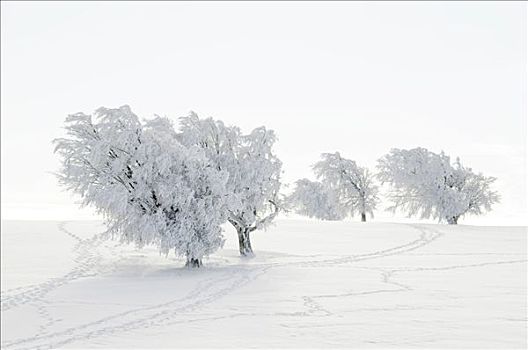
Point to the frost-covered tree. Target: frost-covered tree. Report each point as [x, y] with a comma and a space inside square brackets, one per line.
[149, 187]
[427, 184]
[313, 199]
[353, 184]
[254, 171]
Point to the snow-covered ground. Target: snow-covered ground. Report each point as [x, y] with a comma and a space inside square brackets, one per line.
[312, 284]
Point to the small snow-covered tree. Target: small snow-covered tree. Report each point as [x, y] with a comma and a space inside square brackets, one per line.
[427, 184]
[313, 199]
[353, 184]
[150, 188]
[254, 171]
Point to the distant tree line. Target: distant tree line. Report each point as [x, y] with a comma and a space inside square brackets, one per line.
[420, 183]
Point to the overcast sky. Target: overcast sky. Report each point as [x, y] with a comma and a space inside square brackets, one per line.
[359, 78]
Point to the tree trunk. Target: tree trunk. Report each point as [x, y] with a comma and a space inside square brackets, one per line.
[244, 243]
[192, 262]
[452, 220]
[363, 217]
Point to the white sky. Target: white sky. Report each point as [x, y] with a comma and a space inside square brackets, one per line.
[355, 77]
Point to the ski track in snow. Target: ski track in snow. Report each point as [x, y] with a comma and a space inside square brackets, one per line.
[206, 291]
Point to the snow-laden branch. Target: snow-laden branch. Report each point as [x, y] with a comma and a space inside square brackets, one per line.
[313, 199]
[253, 170]
[428, 184]
[150, 188]
[354, 185]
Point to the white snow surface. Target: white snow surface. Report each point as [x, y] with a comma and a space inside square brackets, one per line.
[313, 284]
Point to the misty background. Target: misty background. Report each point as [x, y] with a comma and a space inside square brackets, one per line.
[358, 78]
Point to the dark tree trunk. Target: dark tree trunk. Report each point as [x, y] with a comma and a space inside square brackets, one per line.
[244, 242]
[452, 220]
[363, 217]
[192, 262]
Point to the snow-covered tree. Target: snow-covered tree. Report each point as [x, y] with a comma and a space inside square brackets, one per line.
[353, 184]
[427, 184]
[254, 171]
[149, 187]
[313, 199]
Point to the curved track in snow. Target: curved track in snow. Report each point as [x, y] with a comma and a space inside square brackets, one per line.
[86, 259]
[217, 284]
[426, 236]
[205, 292]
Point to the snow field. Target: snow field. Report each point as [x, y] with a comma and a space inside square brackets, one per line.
[312, 284]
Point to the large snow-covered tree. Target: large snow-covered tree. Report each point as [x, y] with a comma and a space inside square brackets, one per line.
[313, 199]
[354, 184]
[254, 171]
[428, 184]
[150, 188]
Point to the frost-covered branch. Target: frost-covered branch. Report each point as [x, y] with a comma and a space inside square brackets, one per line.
[253, 171]
[313, 199]
[353, 184]
[427, 184]
[150, 188]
